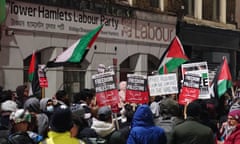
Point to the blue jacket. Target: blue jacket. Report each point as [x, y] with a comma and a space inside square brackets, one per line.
[143, 130]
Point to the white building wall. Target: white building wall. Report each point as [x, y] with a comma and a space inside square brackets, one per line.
[130, 37]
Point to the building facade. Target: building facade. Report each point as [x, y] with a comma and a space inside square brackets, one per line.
[131, 44]
[136, 34]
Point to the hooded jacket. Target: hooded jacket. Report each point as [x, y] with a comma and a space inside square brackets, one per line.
[143, 130]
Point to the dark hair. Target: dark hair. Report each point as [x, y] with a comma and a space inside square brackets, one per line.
[61, 94]
[83, 95]
[129, 112]
[20, 90]
[194, 109]
[6, 95]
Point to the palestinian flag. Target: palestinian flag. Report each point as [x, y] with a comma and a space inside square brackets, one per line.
[222, 80]
[76, 52]
[173, 57]
[2, 11]
[34, 87]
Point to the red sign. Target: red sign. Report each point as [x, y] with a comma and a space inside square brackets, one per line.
[137, 97]
[43, 82]
[106, 89]
[107, 98]
[188, 95]
[137, 91]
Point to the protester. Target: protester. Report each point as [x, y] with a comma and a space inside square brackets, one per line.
[86, 98]
[22, 95]
[7, 108]
[33, 106]
[60, 126]
[143, 130]
[20, 123]
[171, 115]
[120, 136]
[80, 128]
[104, 125]
[46, 106]
[62, 98]
[6, 95]
[191, 131]
[231, 128]
[155, 105]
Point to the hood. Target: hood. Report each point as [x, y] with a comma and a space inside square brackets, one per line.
[32, 105]
[102, 128]
[143, 116]
[43, 103]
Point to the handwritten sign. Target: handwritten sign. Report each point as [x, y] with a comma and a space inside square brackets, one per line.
[163, 84]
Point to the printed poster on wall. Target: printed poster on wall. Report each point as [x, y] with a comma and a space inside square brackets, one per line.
[200, 69]
[137, 91]
[106, 89]
[190, 90]
[163, 84]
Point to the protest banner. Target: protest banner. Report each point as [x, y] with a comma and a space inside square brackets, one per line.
[105, 87]
[137, 91]
[200, 69]
[163, 84]
[43, 82]
[190, 90]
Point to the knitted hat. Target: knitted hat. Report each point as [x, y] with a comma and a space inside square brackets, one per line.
[9, 105]
[20, 115]
[61, 120]
[235, 114]
[104, 113]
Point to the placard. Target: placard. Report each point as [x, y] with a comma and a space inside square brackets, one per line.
[105, 87]
[163, 84]
[190, 90]
[43, 82]
[136, 91]
[200, 69]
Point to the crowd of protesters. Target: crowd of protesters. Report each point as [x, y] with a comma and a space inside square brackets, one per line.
[60, 119]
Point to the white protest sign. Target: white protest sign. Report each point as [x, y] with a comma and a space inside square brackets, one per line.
[200, 69]
[163, 84]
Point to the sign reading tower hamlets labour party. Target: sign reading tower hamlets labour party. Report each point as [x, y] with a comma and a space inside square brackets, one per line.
[105, 87]
[136, 91]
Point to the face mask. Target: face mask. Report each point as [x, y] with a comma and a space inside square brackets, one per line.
[50, 108]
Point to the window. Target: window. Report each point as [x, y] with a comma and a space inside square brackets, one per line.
[210, 10]
[231, 11]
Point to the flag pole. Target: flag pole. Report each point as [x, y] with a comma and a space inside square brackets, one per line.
[43, 92]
